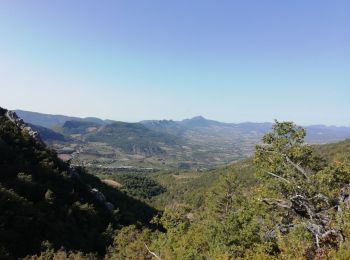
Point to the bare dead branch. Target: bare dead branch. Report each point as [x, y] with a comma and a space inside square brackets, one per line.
[283, 228]
[317, 241]
[298, 167]
[277, 202]
[152, 253]
[277, 176]
[320, 196]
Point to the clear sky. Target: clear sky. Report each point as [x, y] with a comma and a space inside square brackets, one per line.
[130, 60]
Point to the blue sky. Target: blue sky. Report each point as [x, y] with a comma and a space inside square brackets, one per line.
[131, 60]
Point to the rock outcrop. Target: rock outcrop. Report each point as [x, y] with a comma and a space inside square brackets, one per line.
[12, 116]
[102, 199]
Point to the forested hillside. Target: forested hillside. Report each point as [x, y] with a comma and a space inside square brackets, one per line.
[45, 203]
[336, 152]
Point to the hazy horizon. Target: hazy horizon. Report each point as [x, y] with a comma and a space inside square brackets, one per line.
[242, 61]
[180, 119]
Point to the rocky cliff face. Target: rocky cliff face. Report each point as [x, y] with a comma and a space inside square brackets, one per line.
[12, 116]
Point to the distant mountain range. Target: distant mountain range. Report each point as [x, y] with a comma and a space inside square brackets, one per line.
[50, 121]
[190, 143]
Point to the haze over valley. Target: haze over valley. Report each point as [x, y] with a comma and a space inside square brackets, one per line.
[196, 143]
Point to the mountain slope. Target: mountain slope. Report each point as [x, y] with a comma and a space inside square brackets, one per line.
[133, 138]
[338, 152]
[78, 127]
[43, 199]
[50, 121]
[200, 121]
[47, 134]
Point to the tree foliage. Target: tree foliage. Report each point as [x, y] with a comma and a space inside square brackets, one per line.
[302, 190]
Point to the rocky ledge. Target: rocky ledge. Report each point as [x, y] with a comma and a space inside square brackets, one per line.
[14, 118]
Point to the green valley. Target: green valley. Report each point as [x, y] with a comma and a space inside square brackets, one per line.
[196, 143]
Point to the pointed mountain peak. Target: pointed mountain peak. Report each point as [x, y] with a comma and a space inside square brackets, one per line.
[198, 118]
[199, 121]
